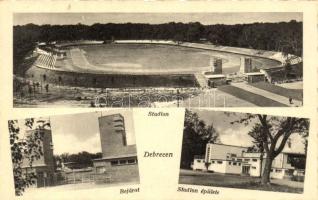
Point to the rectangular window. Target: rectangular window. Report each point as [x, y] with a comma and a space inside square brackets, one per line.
[239, 159]
[254, 160]
[246, 159]
[239, 164]
[230, 163]
[278, 170]
[220, 161]
[199, 161]
[114, 162]
[122, 162]
[213, 161]
[253, 167]
[131, 161]
[100, 170]
[234, 163]
[289, 159]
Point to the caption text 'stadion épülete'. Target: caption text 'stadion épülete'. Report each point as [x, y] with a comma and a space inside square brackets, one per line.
[195, 190]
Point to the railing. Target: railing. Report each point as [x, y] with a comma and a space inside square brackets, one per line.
[78, 178]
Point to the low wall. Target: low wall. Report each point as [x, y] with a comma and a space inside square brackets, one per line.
[110, 80]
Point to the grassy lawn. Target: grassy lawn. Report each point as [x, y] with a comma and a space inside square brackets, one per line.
[293, 93]
[233, 181]
[250, 97]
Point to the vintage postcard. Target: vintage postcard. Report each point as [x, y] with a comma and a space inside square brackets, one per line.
[158, 100]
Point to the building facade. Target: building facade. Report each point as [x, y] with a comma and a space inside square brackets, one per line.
[215, 80]
[246, 65]
[43, 167]
[216, 64]
[229, 159]
[254, 77]
[119, 160]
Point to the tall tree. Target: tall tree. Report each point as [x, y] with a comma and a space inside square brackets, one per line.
[196, 134]
[25, 150]
[258, 135]
[272, 133]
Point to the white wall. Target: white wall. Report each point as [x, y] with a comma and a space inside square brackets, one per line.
[198, 164]
[220, 151]
[277, 173]
[216, 167]
[278, 161]
[233, 169]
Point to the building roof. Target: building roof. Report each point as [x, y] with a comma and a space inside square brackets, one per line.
[293, 153]
[112, 115]
[117, 157]
[228, 145]
[211, 76]
[254, 73]
[34, 165]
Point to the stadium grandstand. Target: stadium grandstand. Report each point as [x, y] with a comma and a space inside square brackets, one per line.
[46, 61]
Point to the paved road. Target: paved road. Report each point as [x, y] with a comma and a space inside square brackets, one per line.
[267, 94]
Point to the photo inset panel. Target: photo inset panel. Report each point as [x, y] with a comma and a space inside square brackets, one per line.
[70, 152]
[237, 59]
[246, 151]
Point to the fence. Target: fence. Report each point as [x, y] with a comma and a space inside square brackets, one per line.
[81, 177]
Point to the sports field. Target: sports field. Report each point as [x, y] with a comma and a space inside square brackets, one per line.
[152, 59]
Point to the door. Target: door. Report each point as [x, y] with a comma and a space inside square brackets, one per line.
[246, 169]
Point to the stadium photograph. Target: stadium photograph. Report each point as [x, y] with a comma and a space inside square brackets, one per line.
[158, 59]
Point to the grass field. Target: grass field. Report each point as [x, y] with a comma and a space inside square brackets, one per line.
[190, 177]
[250, 97]
[293, 93]
[150, 58]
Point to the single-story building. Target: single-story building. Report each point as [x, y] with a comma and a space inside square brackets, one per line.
[215, 80]
[230, 159]
[253, 77]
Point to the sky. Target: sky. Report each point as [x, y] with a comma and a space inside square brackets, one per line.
[80, 132]
[237, 134]
[153, 18]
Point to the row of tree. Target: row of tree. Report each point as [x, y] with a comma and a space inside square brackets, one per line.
[283, 36]
[79, 160]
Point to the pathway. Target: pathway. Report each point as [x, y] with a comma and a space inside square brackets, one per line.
[267, 94]
[201, 80]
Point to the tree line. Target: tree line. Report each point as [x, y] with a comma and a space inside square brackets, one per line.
[81, 160]
[282, 36]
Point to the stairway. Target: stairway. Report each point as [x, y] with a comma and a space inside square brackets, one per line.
[201, 80]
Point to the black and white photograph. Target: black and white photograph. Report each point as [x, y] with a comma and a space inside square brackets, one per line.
[73, 152]
[245, 151]
[216, 59]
